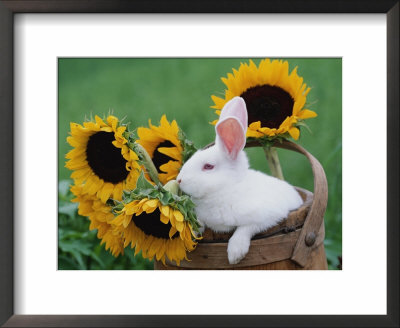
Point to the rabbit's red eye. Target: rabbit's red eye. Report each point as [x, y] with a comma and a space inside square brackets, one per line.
[208, 167]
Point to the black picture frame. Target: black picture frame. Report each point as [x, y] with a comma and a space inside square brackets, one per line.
[11, 7]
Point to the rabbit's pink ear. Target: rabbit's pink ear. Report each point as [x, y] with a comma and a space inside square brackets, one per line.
[235, 107]
[231, 136]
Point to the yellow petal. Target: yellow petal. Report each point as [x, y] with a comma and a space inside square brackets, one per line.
[113, 121]
[219, 102]
[150, 205]
[178, 215]
[121, 130]
[76, 165]
[77, 142]
[164, 209]
[91, 126]
[179, 226]
[76, 152]
[171, 169]
[106, 191]
[172, 152]
[81, 173]
[117, 144]
[99, 121]
[117, 192]
[127, 220]
[172, 232]
[133, 156]
[119, 219]
[306, 113]
[255, 125]
[164, 219]
[255, 134]
[287, 123]
[131, 207]
[85, 208]
[294, 133]
[160, 255]
[92, 185]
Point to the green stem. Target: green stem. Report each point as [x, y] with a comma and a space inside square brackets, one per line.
[147, 162]
[273, 162]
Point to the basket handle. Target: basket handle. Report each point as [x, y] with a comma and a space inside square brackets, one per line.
[313, 228]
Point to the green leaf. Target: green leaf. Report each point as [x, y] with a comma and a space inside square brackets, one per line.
[182, 209]
[117, 208]
[142, 193]
[165, 198]
[81, 246]
[63, 187]
[142, 183]
[266, 141]
[98, 260]
[67, 208]
[79, 259]
[76, 248]
[302, 123]
[66, 263]
[188, 146]
[64, 234]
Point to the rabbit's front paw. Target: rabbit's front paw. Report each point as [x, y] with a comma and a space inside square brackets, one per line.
[238, 247]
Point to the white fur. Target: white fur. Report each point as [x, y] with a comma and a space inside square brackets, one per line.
[233, 196]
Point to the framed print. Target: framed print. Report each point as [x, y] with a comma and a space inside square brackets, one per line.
[183, 114]
[62, 60]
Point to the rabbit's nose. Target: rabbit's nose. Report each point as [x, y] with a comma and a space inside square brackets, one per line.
[179, 180]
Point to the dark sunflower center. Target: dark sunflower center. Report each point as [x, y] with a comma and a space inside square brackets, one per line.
[150, 224]
[268, 104]
[105, 159]
[159, 158]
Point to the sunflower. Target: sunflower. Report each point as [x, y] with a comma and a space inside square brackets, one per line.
[274, 98]
[156, 230]
[156, 221]
[101, 159]
[99, 215]
[165, 147]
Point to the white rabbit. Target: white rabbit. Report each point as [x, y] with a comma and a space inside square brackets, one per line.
[227, 193]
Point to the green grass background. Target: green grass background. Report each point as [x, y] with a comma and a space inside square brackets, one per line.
[146, 88]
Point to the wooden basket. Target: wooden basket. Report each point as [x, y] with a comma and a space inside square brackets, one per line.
[297, 243]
